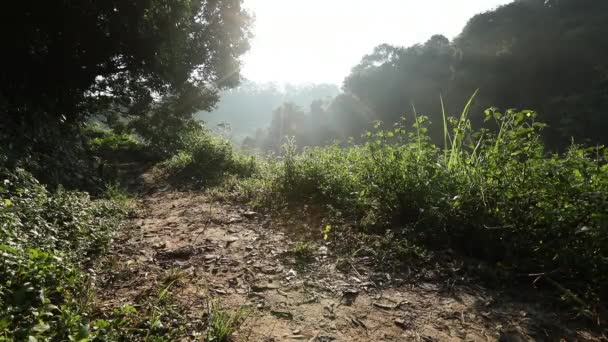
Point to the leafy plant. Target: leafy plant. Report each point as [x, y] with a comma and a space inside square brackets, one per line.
[222, 324]
[304, 251]
[496, 195]
[45, 240]
[207, 157]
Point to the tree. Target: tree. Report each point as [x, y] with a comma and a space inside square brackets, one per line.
[392, 80]
[550, 56]
[65, 61]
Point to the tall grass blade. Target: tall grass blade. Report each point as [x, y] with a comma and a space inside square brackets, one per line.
[446, 133]
[458, 135]
[417, 131]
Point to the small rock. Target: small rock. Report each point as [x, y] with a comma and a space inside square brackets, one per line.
[264, 287]
[282, 314]
[230, 240]
[400, 323]
[349, 296]
[384, 306]
[512, 335]
[250, 214]
[159, 245]
[269, 270]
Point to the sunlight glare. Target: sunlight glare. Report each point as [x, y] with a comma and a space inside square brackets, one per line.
[315, 41]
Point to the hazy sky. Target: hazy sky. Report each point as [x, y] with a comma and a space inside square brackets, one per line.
[300, 41]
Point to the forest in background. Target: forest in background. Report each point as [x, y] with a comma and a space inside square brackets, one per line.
[549, 56]
[258, 102]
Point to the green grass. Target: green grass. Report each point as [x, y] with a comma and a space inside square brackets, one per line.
[222, 324]
[497, 196]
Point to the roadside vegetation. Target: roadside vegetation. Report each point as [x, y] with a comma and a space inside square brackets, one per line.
[47, 240]
[494, 195]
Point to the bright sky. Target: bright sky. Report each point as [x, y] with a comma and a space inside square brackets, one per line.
[319, 41]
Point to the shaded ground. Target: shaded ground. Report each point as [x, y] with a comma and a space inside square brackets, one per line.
[224, 251]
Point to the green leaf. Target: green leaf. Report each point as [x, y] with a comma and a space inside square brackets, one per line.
[8, 202]
[519, 117]
[41, 327]
[9, 249]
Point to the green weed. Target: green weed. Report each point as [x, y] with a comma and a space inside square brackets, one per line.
[498, 196]
[208, 158]
[222, 324]
[46, 238]
[304, 251]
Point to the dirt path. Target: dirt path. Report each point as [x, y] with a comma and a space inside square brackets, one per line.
[223, 251]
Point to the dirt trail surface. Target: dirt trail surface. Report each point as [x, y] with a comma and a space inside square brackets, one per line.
[226, 252]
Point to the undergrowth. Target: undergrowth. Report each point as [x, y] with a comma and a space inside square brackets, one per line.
[495, 195]
[222, 324]
[115, 146]
[49, 242]
[206, 158]
[46, 239]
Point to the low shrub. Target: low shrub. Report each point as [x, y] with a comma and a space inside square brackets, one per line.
[207, 158]
[46, 239]
[115, 146]
[495, 195]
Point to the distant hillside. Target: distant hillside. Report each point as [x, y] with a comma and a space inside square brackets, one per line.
[250, 106]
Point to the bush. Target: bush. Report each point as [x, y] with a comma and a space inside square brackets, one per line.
[54, 154]
[111, 145]
[207, 157]
[45, 240]
[498, 196]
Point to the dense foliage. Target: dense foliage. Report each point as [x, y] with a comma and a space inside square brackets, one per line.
[112, 145]
[546, 55]
[496, 196]
[109, 59]
[327, 121]
[46, 240]
[248, 108]
[206, 158]
[549, 56]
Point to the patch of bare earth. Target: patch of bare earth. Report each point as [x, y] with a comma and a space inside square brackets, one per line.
[224, 251]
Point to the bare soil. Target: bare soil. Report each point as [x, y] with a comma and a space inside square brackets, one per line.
[245, 259]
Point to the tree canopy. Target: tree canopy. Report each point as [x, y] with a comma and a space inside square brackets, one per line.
[67, 61]
[549, 56]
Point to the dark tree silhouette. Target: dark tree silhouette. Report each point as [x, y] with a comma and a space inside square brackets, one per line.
[65, 61]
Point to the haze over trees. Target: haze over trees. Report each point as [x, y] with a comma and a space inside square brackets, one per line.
[550, 56]
[249, 106]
